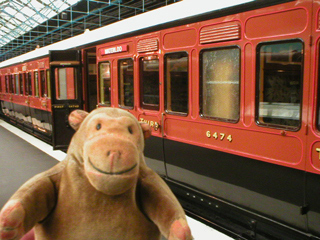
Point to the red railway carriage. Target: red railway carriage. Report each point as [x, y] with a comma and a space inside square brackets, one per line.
[231, 96]
[26, 94]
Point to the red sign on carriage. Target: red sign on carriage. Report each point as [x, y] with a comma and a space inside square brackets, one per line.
[112, 50]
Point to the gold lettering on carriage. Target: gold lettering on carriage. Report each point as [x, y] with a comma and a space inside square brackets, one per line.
[58, 106]
[318, 150]
[74, 106]
[219, 136]
[153, 124]
[112, 50]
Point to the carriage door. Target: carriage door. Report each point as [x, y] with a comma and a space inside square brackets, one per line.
[65, 69]
[150, 110]
[90, 79]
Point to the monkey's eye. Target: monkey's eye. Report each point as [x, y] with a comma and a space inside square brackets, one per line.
[98, 127]
[130, 130]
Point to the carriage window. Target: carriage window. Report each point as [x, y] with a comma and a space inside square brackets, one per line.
[176, 82]
[149, 80]
[25, 76]
[11, 84]
[36, 84]
[25, 83]
[126, 98]
[28, 84]
[66, 83]
[318, 107]
[280, 84]
[105, 83]
[220, 84]
[1, 84]
[21, 83]
[48, 83]
[7, 83]
[17, 82]
[43, 84]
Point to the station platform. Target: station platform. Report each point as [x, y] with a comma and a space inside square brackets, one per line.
[22, 156]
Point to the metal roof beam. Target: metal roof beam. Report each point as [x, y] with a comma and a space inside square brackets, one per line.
[16, 19]
[85, 14]
[25, 15]
[53, 7]
[32, 8]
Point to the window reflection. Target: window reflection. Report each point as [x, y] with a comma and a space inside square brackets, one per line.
[176, 84]
[149, 80]
[21, 82]
[36, 84]
[126, 95]
[17, 84]
[66, 83]
[105, 83]
[280, 83]
[221, 83]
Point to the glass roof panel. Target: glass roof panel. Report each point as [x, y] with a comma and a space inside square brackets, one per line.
[10, 26]
[19, 16]
[35, 4]
[44, 1]
[27, 11]
[10, 11]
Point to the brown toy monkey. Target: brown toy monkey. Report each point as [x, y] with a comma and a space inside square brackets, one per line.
[102, 190]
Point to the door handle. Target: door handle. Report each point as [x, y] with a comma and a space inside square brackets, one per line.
[162, 124]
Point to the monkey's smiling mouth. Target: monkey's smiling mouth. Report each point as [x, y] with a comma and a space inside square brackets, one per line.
[112, 173]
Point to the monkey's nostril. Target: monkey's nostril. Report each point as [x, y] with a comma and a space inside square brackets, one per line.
[108, 153]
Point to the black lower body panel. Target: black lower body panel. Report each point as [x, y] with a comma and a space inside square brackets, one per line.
[251, 198]
[154, 155]
[230, 219]
[34, 121]
[313, 202]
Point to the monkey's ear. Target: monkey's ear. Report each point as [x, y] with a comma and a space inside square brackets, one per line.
[76, 117]
[146, 129]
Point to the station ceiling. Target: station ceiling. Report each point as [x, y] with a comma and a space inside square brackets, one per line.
[28, 24]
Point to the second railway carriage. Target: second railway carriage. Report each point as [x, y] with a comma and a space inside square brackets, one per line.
[231, 92]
